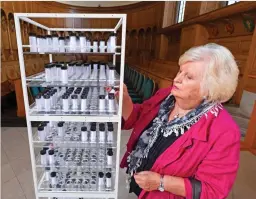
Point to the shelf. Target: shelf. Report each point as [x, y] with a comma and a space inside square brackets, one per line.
[60, 53]
[59, 112]
[84, 182]
[38, 80]
[96, 158]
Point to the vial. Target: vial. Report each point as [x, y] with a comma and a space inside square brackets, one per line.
[51, 157]
[82, 43]
[101, 103]
[53, 179]
[112, 43]
[48, 72]
[111, 102]
[47, 103]
[102, 132]
[72, 43]
[101, 181]
[43, 157]
[47, 174]
[95, 46]
[84, 134]
[110, 157]
[33, 42]
[41, 133]
[64, 74]
[74, 102]
[83, 102]
[65, 104]
[55, 43]
[48, 43]
[60, 129]
[108, 180]
[110, 134]
[61, 44]
[58, 71]
[38, 102]
[93, 134]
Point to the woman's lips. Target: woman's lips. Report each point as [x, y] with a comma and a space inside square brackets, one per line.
[175, 87]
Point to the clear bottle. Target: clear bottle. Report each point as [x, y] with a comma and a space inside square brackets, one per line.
[64, 74]
[55, 43]
[102, 133]
[82, 43]
[110, 157]
[48, 43]
[33, 42]
[43, 157]
[72, 43]
[41, 133]
[61, 44]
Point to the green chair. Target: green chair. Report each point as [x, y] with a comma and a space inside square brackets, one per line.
[148, 90]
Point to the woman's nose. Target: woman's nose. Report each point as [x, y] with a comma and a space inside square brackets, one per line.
[178, 78]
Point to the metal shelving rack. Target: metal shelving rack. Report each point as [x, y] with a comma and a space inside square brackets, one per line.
[34, 116]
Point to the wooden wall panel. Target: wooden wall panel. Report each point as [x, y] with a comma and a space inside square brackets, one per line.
[192, 9]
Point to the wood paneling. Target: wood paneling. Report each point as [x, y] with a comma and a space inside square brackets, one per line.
[194, 35]
[192, 9]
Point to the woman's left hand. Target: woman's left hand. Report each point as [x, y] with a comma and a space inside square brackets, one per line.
[147, 180]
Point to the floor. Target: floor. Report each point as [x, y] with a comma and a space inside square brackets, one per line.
[17, 176]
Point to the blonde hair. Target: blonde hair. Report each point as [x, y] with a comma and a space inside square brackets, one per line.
[221, 74]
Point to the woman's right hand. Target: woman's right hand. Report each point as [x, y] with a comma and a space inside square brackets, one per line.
[127, 101]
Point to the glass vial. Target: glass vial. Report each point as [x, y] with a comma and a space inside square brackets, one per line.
[110, 157]
[65, 103]
[41, 133]
[101, 103]
[43, 157]
[102, 133]
[55, 43]
[64, 74]
[51, 157]
[74, 102]
[108, 180]
[33, 42]
[93, 134]
[48, 72]
[83, 102]
[101, 181]
[48, 43]
[84, 134]
[61, 44]
[111, 102]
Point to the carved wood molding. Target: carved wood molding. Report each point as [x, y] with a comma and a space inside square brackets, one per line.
[225, 12]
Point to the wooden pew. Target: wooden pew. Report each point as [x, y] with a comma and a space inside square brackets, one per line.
[162, 72]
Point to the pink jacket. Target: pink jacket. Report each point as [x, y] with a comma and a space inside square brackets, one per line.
[208, 151]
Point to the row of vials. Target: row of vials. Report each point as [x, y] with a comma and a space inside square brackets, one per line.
[63, 72]
[76, 99]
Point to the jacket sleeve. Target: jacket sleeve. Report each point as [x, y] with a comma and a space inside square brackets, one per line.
[136, 112]
[218, 170]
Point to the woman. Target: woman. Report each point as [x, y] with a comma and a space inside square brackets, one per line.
[184, 144]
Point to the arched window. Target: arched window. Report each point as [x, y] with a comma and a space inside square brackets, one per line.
[231, 2]
[180, 11]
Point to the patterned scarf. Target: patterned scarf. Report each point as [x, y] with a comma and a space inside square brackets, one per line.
[161, 126]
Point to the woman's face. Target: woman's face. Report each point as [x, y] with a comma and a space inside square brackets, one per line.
[186, 85]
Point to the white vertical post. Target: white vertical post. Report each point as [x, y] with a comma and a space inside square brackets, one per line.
[50, 55]
[120, 100]
[26, 102]
[114, 59]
